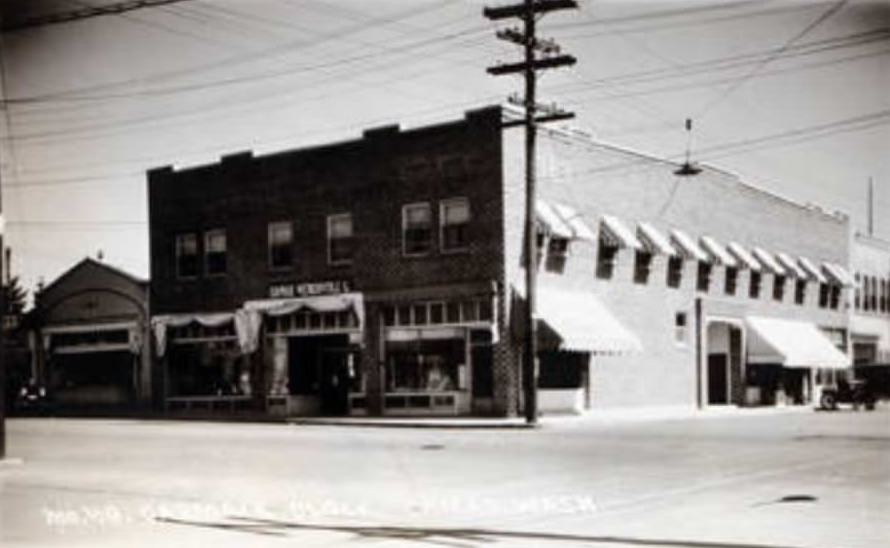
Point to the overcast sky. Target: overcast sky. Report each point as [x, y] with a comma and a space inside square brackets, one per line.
[792, 96]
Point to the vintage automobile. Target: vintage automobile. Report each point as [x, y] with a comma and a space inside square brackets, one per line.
[856, 393]
[32, 399]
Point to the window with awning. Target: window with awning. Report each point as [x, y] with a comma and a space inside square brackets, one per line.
[790, 265]
[574, 220]
[582, 323]
[717, 254]
[614, 232]
[811, 270]
[654, 241]
[551, 221]
[838, 275]
[745, 259]
[687, 246]
[792, 343]
[768, 261]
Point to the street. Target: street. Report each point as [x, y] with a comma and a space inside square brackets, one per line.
[737, 480]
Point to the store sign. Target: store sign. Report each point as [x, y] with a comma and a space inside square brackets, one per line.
[309, 289]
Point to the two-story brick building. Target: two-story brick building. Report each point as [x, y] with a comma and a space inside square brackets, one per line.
[384, 275]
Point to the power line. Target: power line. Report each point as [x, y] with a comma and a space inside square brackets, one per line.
[85, 12]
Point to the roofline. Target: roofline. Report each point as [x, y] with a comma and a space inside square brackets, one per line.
[870, 239]
[89, 260]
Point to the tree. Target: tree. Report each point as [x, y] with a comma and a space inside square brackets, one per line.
[15, 297]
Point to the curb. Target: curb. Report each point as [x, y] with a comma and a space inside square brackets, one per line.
[420, 424]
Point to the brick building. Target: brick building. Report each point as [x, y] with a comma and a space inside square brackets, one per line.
[383, 276]
[870, 321]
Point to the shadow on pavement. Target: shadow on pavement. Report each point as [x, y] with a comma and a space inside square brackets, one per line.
[445, 536]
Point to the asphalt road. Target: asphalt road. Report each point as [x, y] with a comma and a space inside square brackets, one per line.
[749, 480]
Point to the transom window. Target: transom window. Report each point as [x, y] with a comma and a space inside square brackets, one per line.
[215, 252]
[281, 237]
[417, 229]
[340, 239]
[454, 218]
[438, 313]
[186, 255]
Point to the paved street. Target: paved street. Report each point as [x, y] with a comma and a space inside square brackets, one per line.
[755, 480]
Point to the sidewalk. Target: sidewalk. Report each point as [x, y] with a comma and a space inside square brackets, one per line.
[603, 416]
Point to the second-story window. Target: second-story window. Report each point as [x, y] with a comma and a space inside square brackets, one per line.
[834, 296]
[605, 260]
[642, 266]
[704, 276]
[454, 220]
[754, 285]
[281, 251]
[215, 252]
[823, 295]
[674, 271]
[340, 240]
[800, 291]
[186, 255]
[732, 280]
[417, 229]
[779, 287]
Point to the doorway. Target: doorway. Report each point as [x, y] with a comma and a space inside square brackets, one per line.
[718, 379]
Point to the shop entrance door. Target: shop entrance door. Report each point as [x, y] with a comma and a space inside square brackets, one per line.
[717, 379]
[334, 385]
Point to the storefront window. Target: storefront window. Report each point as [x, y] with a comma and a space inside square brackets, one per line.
[424, 366]
[208, 369]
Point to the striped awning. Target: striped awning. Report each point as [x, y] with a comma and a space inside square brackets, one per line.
[746, 260]
[552, 222]
[838, 274]
[573, 219]
[791, 267]
[812, 271]
[616, 233]
[654, 241]
[716, 252]
[687, 245]
[769, 261]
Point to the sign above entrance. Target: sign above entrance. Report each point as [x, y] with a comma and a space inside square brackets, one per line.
[309, 289]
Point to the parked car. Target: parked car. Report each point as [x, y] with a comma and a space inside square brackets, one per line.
[857, 393]
[32, 399]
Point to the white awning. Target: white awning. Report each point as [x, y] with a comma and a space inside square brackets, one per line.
[584, 323]
[793, 344]
[791, 267]
[717, 252]
[654, 241]
[552, 222]
[616, 232]
[814, 273]
[317, 303]
[687, 245]
[746, 259]
[766, 258]
[838, 274]
[572, 218]
[160, 323]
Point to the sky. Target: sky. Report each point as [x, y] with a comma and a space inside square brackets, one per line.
[793, 96]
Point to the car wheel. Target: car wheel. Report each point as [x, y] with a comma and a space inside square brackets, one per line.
[828, 401]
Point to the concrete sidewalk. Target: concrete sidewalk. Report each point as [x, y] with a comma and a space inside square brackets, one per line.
[602, 416]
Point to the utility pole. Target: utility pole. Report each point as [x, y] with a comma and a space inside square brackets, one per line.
[871, 207]
[551, 57]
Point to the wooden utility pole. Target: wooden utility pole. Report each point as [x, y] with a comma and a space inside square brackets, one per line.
[551, 58]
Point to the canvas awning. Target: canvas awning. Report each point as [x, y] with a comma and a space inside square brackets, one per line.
[687, 246]
[838, 274]
[576, 223]
[551, 221]
[812, 272]
[583, 323]
[654, 241]
[614, 231]
[745, 259]
[160, 324]
[768, 261]
[717, 252]
[791, 267]
[792, 343]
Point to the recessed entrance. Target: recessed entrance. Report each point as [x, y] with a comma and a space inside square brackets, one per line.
[723, 367]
